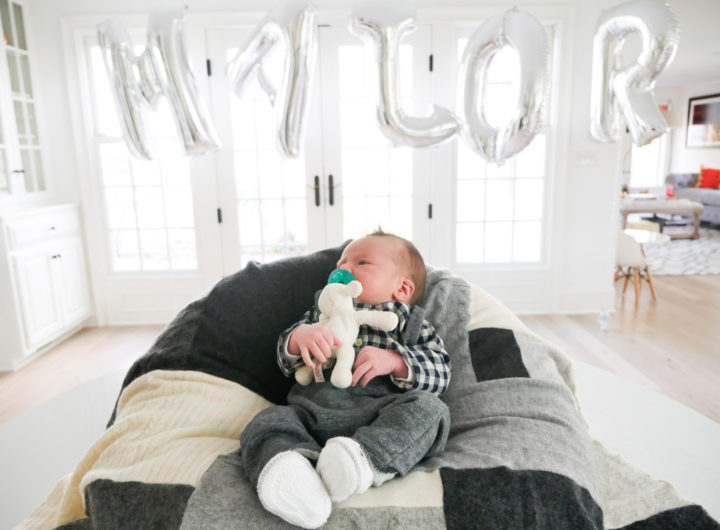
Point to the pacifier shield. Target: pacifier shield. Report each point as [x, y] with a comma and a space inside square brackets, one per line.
[341, 276]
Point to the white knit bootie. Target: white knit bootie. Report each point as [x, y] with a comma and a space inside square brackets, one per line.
[290, 488]
[344, 468]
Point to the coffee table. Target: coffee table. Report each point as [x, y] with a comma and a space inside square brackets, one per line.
[666, 206]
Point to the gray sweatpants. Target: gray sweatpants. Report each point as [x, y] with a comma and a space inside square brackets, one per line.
[395, 428]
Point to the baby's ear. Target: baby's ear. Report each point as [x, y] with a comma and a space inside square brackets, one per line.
[405, 290]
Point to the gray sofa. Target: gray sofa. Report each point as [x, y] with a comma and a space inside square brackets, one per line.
[684, 185]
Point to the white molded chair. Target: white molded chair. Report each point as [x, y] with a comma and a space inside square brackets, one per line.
[631, 263]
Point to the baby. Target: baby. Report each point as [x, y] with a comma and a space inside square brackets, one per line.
[388, 420]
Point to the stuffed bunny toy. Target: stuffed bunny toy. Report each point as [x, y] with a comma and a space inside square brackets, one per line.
[339, 316]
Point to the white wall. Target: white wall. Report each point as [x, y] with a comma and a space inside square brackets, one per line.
[689, 159]
[585, 181]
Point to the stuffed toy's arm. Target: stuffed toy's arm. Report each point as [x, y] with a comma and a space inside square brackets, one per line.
[428, 361]
[290, 363]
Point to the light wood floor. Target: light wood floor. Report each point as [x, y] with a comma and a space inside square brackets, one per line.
[88, 354]
[672, 346]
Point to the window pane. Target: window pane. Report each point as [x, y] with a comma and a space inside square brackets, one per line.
[115, 164]
[182, 249]
[154, 249]
[178, 207]
[499, 200]
[501, 171]
[270, 174]
[120, 207]
[106, 116]
[32, 137]
[26, 160]
[530, 162]
[161, 121]
[246, 175]
[25, 69]
[20, 122]
[470, 165]
[528, 199]
[401, 178]
[249, 221]
[354, 185]
[401, 216]
[273, 222]
[354, 224]
[7, 28]
[498, 242]
[378, 215]
[352, 83]
[174, 166]
[14, 73]
[376, 172]
[124, 251]
[294, 178]
[39, 171]
[470, 240]
[145, 172]
[19, 26]
[149, 207]
[243, 116]
[296, 224]
[470, 200]
[526, 241]
[98, 75]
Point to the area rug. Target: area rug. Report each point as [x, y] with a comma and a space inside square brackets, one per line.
[686, 256]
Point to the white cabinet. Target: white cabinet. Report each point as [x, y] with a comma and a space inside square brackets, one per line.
[43, 280]
[21, 170]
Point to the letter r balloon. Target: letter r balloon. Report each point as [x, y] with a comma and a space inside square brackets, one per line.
[630, 88]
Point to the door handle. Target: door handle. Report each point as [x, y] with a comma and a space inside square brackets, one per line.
[317, 190]
[331, 190]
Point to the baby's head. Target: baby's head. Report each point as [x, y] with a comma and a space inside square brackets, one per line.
[389, 267]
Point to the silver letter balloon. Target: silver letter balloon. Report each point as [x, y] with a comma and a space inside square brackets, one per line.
[524, 33]
[291, 24]
[137, 82]
[631, 88]
[384, 26]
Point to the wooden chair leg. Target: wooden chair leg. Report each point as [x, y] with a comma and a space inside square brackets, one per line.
[618, 273]
[636, 282]
[627, 279]
[652, 287]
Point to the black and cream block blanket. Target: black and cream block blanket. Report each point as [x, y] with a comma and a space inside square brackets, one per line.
[519, 454]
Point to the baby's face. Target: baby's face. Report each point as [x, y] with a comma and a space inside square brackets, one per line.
[374, 262]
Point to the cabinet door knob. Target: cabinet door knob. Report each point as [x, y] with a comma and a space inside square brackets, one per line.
[51, 228]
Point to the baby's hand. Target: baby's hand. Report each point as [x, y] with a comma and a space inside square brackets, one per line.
[373, 361]
[313, 342]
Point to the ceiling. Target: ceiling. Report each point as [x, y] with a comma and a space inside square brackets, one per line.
[698, 54]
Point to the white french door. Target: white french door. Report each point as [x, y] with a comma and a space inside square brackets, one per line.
[348, 180]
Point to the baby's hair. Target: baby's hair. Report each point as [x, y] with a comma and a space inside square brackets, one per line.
[413, 260]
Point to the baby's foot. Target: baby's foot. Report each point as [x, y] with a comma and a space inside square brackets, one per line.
[344, 468]
[290, 488]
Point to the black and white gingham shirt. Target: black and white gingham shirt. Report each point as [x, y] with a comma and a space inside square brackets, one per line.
[427, 360]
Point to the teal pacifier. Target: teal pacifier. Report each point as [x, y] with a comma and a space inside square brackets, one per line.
[341, 276]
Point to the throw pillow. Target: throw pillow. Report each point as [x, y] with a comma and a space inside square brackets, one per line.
[709, 178]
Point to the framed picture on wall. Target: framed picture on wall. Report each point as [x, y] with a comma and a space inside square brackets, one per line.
[703, 128]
